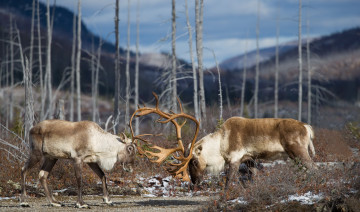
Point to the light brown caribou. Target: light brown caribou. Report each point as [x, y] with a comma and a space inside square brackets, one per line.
[241, 139]
[81, 142]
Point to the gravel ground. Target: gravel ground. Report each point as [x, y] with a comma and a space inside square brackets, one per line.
[120, 203]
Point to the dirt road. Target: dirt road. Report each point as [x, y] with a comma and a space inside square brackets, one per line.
[120, 203]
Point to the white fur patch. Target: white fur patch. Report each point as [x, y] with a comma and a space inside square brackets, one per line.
[237, 155]
[41, 174]
[210, 154]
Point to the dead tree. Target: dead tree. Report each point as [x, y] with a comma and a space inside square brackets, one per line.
[195, 78]
[32, 38]
[173, 58]
[220, 88]
[11, 39]
[256, 92]
[48, 84]
[78, 60]
[96, 82]
[117, 70]
[73, 65]
[199, 7]
[41, 74]
[243, 85]
[127, 71]
[137, 63]
[276, 90]
[300, 65]
[309, 96]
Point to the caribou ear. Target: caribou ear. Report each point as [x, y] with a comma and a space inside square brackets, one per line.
[198, 150]
[122, 138]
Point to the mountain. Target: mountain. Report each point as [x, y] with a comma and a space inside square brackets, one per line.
[21, 11]
[334, 61]
[238, 62]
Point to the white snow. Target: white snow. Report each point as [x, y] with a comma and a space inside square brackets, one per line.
[306, 199]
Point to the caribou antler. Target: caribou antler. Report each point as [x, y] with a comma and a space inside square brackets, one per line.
[158, 154]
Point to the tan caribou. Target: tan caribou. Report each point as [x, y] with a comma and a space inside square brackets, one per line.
[241, 139]
[81, 142]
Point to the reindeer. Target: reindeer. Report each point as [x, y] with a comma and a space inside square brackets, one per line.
[240, 140]
[81, 142]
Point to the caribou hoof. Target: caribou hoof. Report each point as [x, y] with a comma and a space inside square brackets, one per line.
[107, 201]
[55, 204]
[78, 205]
[24, 204]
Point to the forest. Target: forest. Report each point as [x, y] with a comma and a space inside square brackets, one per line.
[52, 66]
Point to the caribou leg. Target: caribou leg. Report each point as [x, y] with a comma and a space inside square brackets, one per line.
[30, 163]
[232, 170]
[95, 167]
[78, 173]
[43, 175]
[299, 152]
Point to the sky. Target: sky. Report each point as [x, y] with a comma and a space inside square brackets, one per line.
[229, 26]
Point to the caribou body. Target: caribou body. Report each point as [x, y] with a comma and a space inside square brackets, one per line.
[81, 142]
[240, 140]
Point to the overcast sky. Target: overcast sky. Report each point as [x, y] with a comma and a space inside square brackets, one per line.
[227, 23]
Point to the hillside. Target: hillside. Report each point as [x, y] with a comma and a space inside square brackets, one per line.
[334, 59]
[335, 67]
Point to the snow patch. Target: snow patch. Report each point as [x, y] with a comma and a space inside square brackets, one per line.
[307, 199]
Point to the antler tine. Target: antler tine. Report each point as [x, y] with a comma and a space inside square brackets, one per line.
[157, 100]
[180, 105]
[158, 154]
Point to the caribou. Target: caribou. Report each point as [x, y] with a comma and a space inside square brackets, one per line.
[240, 140]
[81, 142]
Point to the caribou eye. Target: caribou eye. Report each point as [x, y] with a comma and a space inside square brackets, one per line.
[195, 162]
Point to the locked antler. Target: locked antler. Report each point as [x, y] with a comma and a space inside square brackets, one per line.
[158, 154]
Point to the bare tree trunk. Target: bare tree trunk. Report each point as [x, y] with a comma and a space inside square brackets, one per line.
[78, 61]
[276, 90]
[228, 99]
[7, 85]
[220, 88]
[243, 85]
[117, 70]
[195, 80]
[32, 38]
[48, 64]
[60, 113]
[256, 92]
[11, 103]
[300, 65]
[29, 100]
[92, 68]
[173, 59]
[73, 65]
[309, 73]
[199, 50]
[137, 64]
[41, 75]
[96, 83]
[127, 73]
